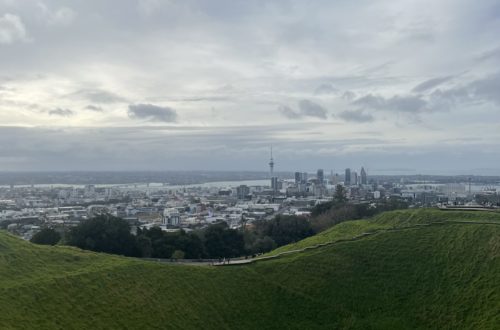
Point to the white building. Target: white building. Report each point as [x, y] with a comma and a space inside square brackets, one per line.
[171, 217]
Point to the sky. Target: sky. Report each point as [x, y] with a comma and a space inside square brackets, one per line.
[408, 86]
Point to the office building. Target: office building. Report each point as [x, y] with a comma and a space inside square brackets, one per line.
[320, 177]
[298, 177]
[242, 191]
[274, 184]
[347, 179]
[364, 178]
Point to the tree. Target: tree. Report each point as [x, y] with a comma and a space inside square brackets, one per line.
[333, 217]
[223, 242]
[262, 245]
[339, 200]
[191, 244]
[321, 208]
[145, 246]
[340, 195]
[104, 233]
[164, 245]
[178, 254]
[46, 236]
[287, 229]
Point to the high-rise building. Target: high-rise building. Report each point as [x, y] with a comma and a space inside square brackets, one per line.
[304, 177]
[242, 191]
[354, 178]
[335, 179]
[347, 179]
[364, 178]
[274, 184]
[298, 177]
[320, 176]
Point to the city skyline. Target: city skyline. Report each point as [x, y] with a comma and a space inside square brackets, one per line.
[197, 85]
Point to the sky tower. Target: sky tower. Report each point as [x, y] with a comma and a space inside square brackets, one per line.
[271, 163]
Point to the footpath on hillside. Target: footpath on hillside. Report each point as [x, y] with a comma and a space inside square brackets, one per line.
[244, 261]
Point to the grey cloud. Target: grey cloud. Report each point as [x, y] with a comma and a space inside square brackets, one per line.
[82, 148]
[449, 98]
[148, 7]
[240, 147]
[487, 88]
[94, 108]
[408, 103]
[310, 109]
[288, 112]
[370, 101]
[61, 112]
[307, 108]
[206, 98]
[12, 29]
[152, 113]
[99, 96]
[490, 54]
[358, 116]
[431, 83]
[477, 91]
[325, 89]
[349, 95]
[61, 16]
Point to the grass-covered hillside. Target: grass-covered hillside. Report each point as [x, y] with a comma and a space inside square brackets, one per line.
[441, 276]
[389, 221]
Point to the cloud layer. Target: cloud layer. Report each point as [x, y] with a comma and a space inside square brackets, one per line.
[319, 80]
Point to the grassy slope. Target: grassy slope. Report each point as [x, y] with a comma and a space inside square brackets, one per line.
[443, 276]
[388, 221]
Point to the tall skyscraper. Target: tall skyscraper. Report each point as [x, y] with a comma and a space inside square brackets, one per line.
[347, 179]
[320, 176]
[354, 178]
[274, 184]
[298, 177]
[364, 178]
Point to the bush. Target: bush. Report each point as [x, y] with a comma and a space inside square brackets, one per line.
[178, 254]
[46, 236]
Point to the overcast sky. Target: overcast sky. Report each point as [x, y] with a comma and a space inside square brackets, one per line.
[410, 86]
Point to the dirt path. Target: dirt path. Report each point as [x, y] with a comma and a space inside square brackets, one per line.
[235, 262]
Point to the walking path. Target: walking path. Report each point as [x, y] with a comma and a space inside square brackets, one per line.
[355, 238]
[241, 261]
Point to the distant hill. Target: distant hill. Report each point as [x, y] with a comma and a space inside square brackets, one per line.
[422, 269]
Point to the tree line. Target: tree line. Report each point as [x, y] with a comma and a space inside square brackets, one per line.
[109, 234]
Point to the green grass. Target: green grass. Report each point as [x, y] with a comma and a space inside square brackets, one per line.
[444, 276]
[388, 221]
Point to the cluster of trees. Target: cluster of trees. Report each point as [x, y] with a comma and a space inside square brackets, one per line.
[326, 215]
[109, 234]
[216, 241]
[282, 230]
[104, 233]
